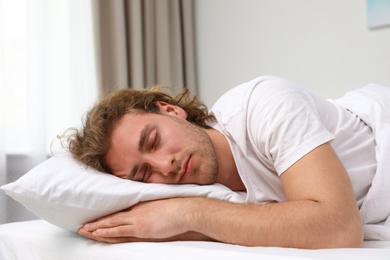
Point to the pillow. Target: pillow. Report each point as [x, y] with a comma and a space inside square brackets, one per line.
[68, 194]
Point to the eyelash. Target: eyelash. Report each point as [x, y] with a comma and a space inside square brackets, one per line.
[155, 141]
[145, 172]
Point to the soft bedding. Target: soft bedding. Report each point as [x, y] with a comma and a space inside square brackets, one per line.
[68, 194]
[38, 239]
[374, 109]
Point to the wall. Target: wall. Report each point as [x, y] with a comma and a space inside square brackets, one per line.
[324, 45]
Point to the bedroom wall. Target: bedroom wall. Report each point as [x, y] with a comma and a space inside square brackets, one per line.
[324, 45]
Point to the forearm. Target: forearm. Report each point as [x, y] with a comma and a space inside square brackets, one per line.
[300, 224]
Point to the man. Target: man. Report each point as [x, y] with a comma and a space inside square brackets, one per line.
[294, 154]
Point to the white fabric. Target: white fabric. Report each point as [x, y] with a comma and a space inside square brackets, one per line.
[372, 104]
[33, 240]
[67, 194]
[271, 123]
[48, 79]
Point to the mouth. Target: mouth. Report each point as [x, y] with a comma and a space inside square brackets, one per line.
[186, 168]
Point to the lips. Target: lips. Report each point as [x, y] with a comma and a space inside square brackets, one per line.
[186, 168]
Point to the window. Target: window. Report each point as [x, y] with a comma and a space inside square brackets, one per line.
[47, 71]
[13, 105]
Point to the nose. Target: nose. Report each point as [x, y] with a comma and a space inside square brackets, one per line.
[162, 163]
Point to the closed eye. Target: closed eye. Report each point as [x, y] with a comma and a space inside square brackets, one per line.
[143, 174]
[155, 138]
[147, 173]
[138, 173]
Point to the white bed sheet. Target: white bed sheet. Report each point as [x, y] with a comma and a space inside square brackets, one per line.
[38, 239]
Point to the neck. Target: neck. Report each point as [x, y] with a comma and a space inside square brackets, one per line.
[227, 170]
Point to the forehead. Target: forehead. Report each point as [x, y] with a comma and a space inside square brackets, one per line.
[130, 125]
[128, 130]
[124, 139]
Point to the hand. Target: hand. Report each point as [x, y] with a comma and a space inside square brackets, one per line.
[160, 220]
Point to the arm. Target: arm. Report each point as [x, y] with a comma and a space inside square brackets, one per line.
[321, 212]
[151, 221]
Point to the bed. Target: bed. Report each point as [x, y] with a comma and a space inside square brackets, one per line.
[39, 239]
[66, 194]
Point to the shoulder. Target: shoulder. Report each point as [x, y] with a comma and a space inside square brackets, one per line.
[277, 96]
[276, 88]
[270, 94]
[261, 88]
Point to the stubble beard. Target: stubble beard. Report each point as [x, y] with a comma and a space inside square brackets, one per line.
[207, 172]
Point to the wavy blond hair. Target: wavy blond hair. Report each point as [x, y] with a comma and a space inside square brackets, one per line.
[90, 144]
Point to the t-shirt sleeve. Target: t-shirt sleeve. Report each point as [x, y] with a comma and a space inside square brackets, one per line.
[284, 123]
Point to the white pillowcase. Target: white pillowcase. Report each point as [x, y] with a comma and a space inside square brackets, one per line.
[68, 194]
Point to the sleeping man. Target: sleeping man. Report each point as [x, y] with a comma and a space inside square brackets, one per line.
[315, 172]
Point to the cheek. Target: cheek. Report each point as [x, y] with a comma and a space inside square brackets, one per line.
[173, 143]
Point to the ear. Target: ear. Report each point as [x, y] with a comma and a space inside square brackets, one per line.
[169, 109]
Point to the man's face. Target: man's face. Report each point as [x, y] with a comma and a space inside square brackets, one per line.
[161, 148]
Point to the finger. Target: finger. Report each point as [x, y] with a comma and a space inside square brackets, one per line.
[114, 240]
[118, 231]
[116, 219]
[87, 234]
[94, 236]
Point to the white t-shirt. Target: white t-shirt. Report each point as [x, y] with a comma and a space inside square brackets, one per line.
[271, 123]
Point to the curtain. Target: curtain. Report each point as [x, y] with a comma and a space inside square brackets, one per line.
[69, 51]
[145, 42]
[47, 82]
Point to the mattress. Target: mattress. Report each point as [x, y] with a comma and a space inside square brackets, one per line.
[38, 239]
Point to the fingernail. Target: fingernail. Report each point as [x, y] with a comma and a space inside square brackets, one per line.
[97, 232]
[87, 227]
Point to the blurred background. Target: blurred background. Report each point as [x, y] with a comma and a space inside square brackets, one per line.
[58, 56]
